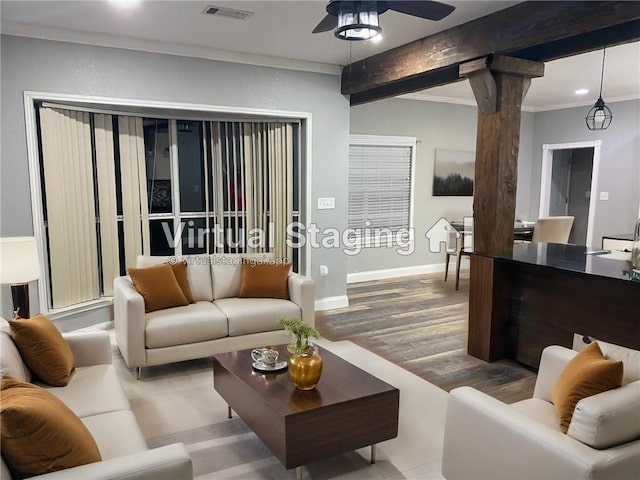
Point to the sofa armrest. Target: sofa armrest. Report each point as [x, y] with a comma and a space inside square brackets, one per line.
[89, 348]
[552, 362]
[486, 439]
[301, 292]
[129, 322]
[164, 463]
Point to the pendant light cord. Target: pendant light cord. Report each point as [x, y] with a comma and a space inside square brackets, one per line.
[604, 51]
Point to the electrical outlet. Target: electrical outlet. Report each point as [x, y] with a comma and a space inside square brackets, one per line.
[326, 203]
[324, 270]
[604, 195]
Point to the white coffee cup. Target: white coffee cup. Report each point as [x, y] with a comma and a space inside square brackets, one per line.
[266, 356]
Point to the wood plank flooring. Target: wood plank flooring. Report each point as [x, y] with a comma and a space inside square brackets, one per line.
[420, 323]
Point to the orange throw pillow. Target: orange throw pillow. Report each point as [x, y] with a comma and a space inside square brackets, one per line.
[265, 280]
[158, 286]
[586, 374]
[180, 271]
[43, 349]
[39, 433]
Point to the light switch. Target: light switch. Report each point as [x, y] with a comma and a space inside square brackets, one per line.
[604, 195]
[326, 203]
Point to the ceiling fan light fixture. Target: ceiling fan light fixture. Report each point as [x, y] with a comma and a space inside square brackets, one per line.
[358, 24]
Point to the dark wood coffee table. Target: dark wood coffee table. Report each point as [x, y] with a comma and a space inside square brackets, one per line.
[348, 409]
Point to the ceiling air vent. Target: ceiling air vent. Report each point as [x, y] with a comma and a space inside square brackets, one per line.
[227, 12]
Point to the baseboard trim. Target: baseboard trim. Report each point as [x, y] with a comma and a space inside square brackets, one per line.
[329, 303]
[397, 272]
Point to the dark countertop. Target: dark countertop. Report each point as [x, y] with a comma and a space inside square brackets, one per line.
[619, 236]
[574, 258]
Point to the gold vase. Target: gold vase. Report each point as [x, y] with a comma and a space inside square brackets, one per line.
[305, 369]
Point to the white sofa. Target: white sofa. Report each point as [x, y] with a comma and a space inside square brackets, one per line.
[95, 394]
[488, 439]
[217, 322]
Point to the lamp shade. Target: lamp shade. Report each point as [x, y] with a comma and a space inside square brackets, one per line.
[18, 260]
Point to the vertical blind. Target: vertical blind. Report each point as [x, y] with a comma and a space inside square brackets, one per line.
[379, 186]
[91, 175]
[107, 206]
[135, 210]
[253, 178]
[81, 206]
[70, 205]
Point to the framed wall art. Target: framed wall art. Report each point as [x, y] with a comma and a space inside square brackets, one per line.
[453, 173]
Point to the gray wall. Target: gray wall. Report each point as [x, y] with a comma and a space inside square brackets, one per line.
[619, 172]
[59, 67]
[436, 126]
[579, 191]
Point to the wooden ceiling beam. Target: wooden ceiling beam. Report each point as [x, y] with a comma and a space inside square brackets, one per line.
[539, 31]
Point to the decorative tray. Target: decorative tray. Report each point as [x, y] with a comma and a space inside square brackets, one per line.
[261, 367]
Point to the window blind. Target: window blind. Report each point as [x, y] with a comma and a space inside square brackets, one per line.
[379, 186]
[70, 206]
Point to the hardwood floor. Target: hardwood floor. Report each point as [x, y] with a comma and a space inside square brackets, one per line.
[420, 323]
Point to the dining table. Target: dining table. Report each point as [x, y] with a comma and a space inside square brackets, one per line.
[522, 231]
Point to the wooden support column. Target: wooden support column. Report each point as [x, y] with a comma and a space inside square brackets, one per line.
[499, 84]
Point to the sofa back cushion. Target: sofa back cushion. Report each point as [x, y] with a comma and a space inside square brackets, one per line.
[11, 362]
[608, 419]
[226, 272]
[198, 273]
[40, 434]
[630, 358]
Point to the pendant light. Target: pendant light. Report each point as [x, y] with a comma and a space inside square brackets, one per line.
[600, 116]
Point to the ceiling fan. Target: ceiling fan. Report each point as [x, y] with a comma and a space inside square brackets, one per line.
[358, 20]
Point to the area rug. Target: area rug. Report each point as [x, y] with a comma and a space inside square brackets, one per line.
[177, 403]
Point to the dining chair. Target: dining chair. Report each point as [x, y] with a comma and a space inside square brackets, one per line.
[456, 246]
[552, 229]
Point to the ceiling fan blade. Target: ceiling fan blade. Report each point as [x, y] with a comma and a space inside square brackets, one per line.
[328, 23]
[428, 10]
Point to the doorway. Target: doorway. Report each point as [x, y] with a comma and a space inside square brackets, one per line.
[569, 186]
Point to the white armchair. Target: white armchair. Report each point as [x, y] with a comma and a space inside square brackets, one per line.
[488, 439]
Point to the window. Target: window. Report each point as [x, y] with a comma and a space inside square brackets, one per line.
[381, 188]
[157, 186]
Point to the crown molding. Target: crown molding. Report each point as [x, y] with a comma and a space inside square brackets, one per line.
[153, 46]
[622, 98]
[424, 97]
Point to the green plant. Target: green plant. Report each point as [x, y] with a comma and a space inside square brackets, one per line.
[301, 331]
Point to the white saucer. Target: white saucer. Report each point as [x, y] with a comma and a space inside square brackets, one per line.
[261, 367]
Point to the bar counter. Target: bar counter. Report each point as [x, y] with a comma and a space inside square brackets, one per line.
[542, 294]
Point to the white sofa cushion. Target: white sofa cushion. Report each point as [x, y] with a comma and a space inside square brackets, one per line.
[198, 271]
[253, 315]
[11, 362]
[539, 410]
[92, 391]
[630, 358]
[226, 272]
[609, 418]
[197, 322]
[116, 433]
